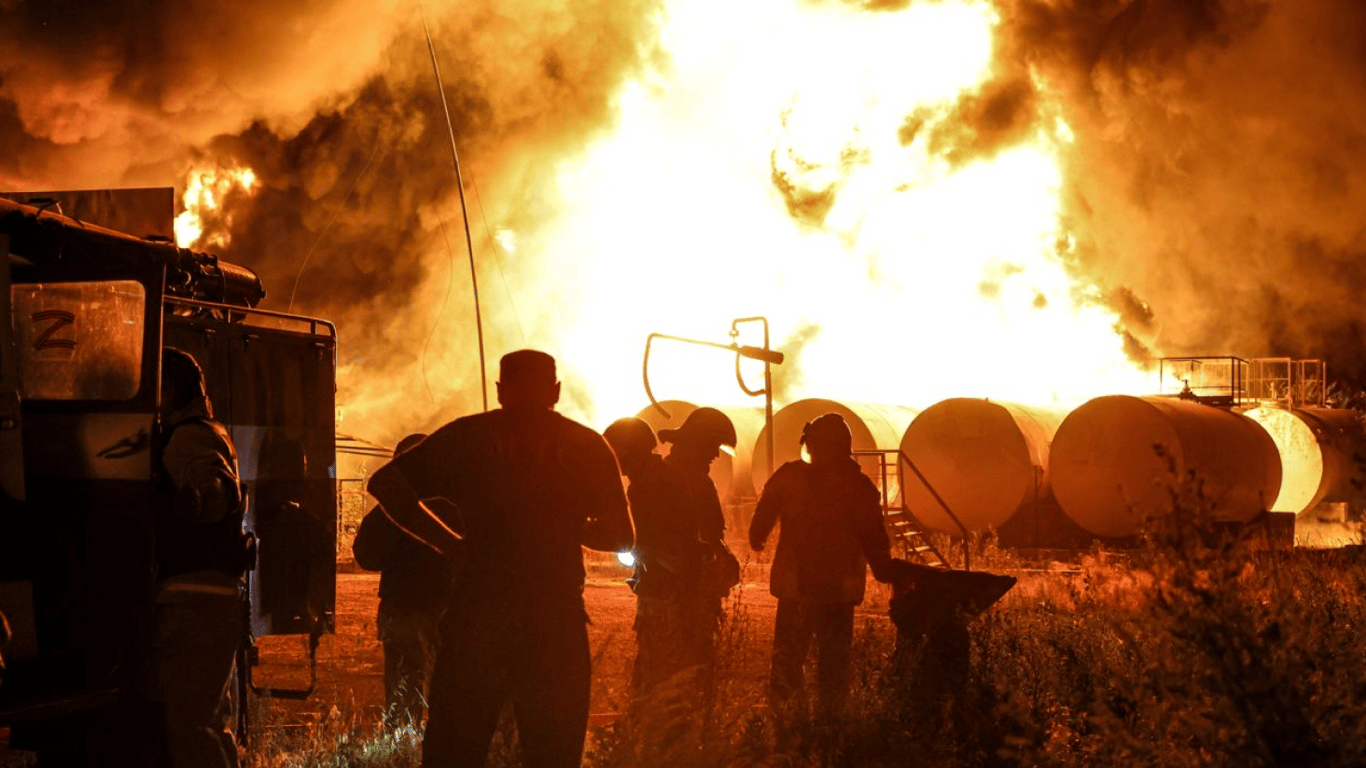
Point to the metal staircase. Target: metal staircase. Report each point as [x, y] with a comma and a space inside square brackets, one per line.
[891, 467]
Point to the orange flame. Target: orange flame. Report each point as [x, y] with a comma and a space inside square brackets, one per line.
[205, 190]
[915, 279]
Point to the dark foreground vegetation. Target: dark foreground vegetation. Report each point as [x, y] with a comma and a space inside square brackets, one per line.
[1203, 648]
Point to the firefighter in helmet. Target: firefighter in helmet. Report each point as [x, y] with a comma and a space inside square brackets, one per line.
[679, 528]
[202, 554]
[831, 529]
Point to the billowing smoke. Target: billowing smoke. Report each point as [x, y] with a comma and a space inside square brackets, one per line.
[115, 93]
[334, 105]
[1213, 181]
[1215, 184]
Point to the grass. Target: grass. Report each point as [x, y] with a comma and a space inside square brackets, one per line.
[1202, 648]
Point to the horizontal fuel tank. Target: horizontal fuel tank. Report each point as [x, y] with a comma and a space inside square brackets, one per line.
[1116, 459]
[730, 474]
[986, 460]
[1319, 449]
[872, 426]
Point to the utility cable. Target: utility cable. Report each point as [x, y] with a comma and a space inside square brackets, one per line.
[464, 212]
[493, 243]
[450, 279]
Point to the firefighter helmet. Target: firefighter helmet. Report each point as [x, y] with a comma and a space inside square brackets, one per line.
[830, 429]
[704, 425]
[630, 437]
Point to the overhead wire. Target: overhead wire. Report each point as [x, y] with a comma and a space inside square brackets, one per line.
[497, 249]
[450, 280]
[464, 211]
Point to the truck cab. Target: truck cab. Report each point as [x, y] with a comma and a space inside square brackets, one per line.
[84, 314]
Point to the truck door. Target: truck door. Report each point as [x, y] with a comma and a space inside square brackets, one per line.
[87, 347]
[275, 390]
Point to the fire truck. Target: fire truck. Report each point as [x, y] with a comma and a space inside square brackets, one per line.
[84, 313]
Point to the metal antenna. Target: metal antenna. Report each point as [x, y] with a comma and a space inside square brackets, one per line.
[464, 213]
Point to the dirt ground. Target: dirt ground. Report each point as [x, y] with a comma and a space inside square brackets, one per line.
[350, 671]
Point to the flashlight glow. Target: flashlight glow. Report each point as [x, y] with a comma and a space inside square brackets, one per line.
[626, 558]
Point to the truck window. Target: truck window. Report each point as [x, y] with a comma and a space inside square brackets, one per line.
[79, 341]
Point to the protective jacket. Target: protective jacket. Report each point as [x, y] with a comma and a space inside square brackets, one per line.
[678, 523]
[525, 487]
[831, 527]
[413, 577]
[199, 506]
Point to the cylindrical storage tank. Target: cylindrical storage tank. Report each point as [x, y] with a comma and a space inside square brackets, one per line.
[730, 474]
[986, 460]
[873, 426]
[1116, 459]
[1318, 447]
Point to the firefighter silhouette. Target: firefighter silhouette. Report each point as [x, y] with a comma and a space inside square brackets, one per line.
[529, 488]
[413, 591]
[679, 529]
[201, 554]
[831, 530]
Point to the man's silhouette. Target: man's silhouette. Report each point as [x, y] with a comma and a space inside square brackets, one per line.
[201, 558]
[414, 586]
[529, 488]
[832, 529]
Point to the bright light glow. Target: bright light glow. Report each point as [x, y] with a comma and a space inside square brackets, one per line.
[626, 558]
[205, 190]
[922, 280]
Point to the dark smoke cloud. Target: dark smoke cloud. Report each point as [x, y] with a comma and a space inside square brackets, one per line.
[116, 91]
[1216, 179]
[999, 114]
[334, 105]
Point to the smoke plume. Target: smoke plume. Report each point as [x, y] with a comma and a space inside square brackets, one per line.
[335, 107]
[1216, 177]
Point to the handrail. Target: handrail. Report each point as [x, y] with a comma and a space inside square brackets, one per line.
[926, 482]
[903, 459]
[313, 322]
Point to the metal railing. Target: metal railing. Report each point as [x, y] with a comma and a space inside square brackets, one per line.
[895, 504]
[313, 323]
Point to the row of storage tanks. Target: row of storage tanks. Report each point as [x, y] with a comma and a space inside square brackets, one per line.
[1045, 476]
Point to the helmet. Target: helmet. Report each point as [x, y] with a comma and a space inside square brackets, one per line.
[181, 377]
[630, 437]
[408, 443]
[704, 425]
[829, 429]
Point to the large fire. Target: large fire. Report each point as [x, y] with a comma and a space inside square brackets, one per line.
[775, 169]
[925, 197]
[787, 162]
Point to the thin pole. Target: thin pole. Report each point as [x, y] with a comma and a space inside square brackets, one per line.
[768, 402]
[464, 213]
